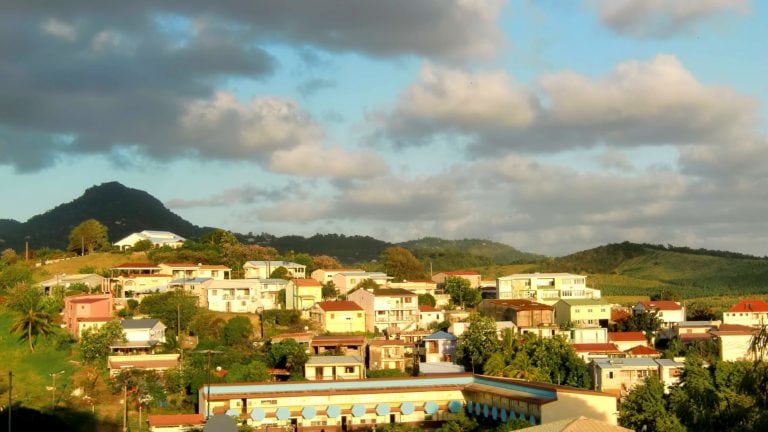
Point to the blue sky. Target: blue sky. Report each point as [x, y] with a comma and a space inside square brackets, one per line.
[551, 126]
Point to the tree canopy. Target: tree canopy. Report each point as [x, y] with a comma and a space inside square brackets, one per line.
[401, 264]
[89, 236]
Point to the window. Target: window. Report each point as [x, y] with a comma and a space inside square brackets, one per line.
[349, 369]
[333, 316]
[269, 402]
[577, 310]
[610, 375]
[602, 309]
[589, 310]
[359, 315]
[214, 292]
[408, 300]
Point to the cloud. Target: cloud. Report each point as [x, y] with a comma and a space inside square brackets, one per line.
[119, 77]
[652, 102]
[659, 18]
[314, 160]
[310, 87]
[246, 194]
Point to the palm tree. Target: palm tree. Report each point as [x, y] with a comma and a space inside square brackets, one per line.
[33, 321]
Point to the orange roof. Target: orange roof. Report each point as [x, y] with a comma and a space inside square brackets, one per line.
[626, 336]
[427, 308]
[305, 282]
[642, 350]
[176, 420]
[597, 347]
[734, 329]
[661, 305]
[619, 314]
[338, 306]
[749, 306]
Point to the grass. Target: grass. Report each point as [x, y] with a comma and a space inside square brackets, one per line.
[31, 369]
[99, 261]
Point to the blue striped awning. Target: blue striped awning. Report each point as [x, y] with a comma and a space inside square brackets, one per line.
[503, 414]
[358, 410]
[486, 411]
[532, 420]
[257, 414]
[407, 408]
[382, 409]
[495, 413]
[333, 411]
[477, 409]
[454, 406]
[233, 412]
[470, 406]
[430, 407]
[308, 412]
[282, 413]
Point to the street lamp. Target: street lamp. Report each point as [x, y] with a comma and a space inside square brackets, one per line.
[260, 312]
[53, 387]
[208, 352]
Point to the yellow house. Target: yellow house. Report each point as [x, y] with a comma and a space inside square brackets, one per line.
[582, 312]
[339, 316]
[302, 294]
[332, 368]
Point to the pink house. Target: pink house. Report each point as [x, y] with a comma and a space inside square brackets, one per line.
[87, 310]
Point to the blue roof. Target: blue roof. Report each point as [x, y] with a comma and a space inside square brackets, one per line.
[442, 335]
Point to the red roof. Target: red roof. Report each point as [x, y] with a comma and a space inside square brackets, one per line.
[339, 306]
[626, 336]
[661, 305]
[596, 347]
[305, 282]
[176, 420]
[688, 337]
[428, 308]
[749, 306]
[619, 314]
[735, 328]
[642, 350]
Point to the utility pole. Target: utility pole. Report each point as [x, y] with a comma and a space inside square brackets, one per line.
[125, 406]
[208, 352]
[10, 398]
[53, 388]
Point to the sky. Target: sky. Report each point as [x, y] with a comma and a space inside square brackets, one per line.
[552, 126]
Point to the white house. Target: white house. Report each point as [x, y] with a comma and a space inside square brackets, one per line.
[190, 271]
[158, 239]
[234, 295]
[428, 315]
[545, 288]
[264, 269]
[669, 312]
[326, 275]
[347, 281]
[388, 309]
[747, 312]
[141, 335]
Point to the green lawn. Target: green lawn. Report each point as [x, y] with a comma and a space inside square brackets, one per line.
[31, 370]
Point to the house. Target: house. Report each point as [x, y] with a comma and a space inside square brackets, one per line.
[619, 376]
[195, 286]
[158, 239]
[428, 315]
[154, 362]
[471, 276]
[386, 354]
[735, 341]
[348, 281]
[235, 295]
[93, 281]
[545, 288]
[137, 279]
[86, 310]
[440, 347]
[747, 312]
[141, 336]
[588, 335]
[669, 312]
[333, 368]
[522, 312]
[326, 275]
[388, 309]
[417, 287]
[582, 312]
[411, 401]
[627, 340]
[691, 331]
[338, 344]
[643, 351]
[264, 269]
[303, 339]
[175, 422]
[192, 271]
[302, 294]
[591, 351]
[341, 316]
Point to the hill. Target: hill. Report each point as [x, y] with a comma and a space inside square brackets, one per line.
[466, 253]
[631, 268]
[347, 249]
[121, 209]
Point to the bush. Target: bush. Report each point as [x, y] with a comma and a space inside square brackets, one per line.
[282, 317]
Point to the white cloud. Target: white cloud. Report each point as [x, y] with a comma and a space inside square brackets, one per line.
[661, 17]
[315, 160]
[59, 29]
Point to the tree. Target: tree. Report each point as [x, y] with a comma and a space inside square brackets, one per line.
[15, 274]
[401, 264]
[644, 409]
[329, 290]
[238, 331]
[366, 284]
[287, 354]
[325, 262]
[95, 344]
[34, 320]
[219, 237]
[255, 371]
[142, 245]
[89, 236]
[173, 308]
[461, 292]
[280, 273]
[427, 299]
[477, 343]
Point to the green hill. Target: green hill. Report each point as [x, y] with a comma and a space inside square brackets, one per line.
[466, 253]
[631, 268]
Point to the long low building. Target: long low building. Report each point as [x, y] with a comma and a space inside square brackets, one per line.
[361, 404]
